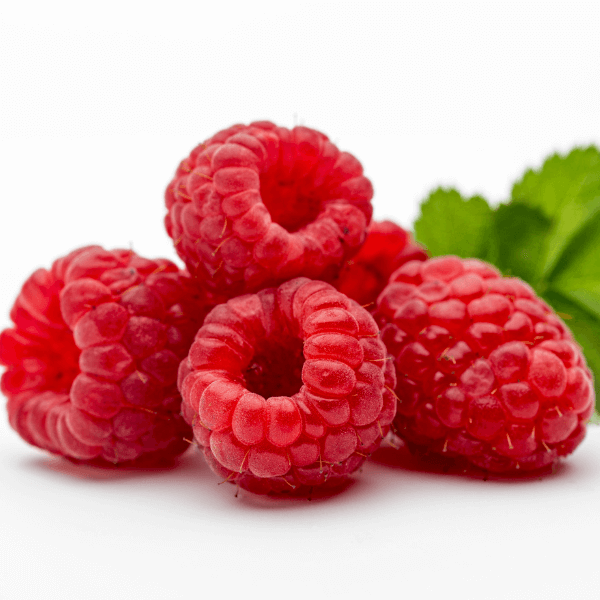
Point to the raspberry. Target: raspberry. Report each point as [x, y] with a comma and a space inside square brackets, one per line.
[256, 205]
[288, 388]
[386, 248]
[93, 356]
[487, 373]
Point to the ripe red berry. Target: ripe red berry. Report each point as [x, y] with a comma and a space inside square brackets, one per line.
[486, 371]
[257, 205]
[386, 248]
[288, 388]
[93, 355]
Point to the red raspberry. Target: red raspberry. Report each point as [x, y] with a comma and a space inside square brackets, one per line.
[289, 388]
[386, 248]
[257, 205]
[93, 357]
[486, 371]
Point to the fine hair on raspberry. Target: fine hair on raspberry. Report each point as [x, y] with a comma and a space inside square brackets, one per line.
[93, 355]
[487, 373]
[288, 388]
[256, 205]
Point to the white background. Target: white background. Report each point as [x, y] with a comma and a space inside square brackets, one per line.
[98, 104]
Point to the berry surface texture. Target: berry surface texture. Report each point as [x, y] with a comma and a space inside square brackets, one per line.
[257, 205]
[93, 355]
[288, 388]
[387, 247]
[487, 373]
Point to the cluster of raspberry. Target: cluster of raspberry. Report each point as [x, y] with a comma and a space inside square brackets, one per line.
[300, 336]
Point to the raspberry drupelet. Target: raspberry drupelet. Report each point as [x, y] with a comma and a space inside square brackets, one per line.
[288, 388]
[387, 247]
[93, 355]
[487, 372]
[256, 205]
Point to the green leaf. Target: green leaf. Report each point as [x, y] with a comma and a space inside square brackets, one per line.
[567, 190]
[577, 274]
[520, 232]
[560, 179]
[585, 328]
[449, 224]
